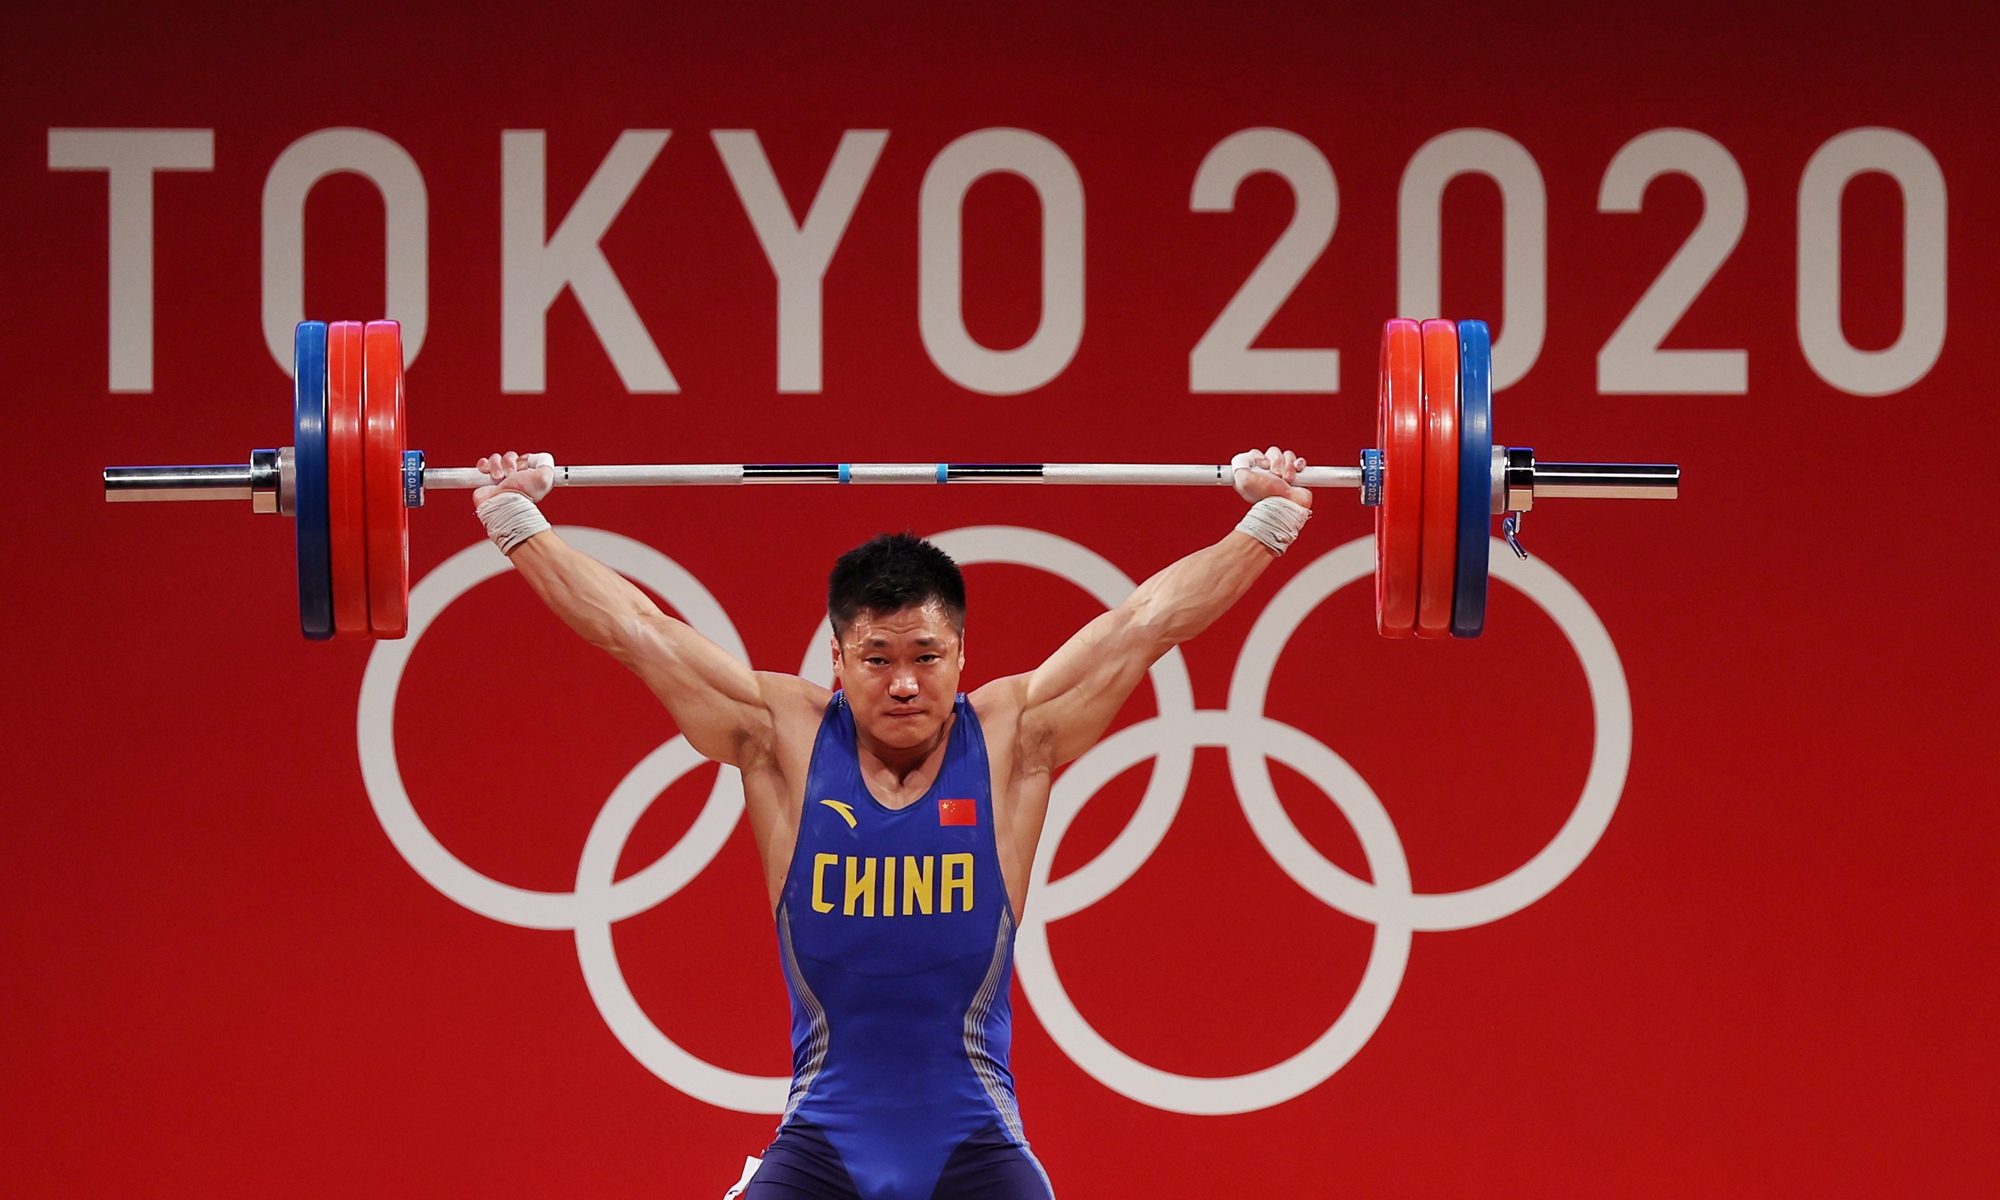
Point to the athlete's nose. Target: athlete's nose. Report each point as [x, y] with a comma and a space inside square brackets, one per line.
[904, 686]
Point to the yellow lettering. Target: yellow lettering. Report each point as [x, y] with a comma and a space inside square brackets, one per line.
[862, 886]
[820, 863]
[957, 878]
[888, 885]
[917, 885]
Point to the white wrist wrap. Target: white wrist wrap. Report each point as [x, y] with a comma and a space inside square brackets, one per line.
[1274, 521]
[510, 519]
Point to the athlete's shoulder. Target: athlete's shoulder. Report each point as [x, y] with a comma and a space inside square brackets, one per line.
[999, 706]
[1002, 699]
[794, 707]
[788, 696]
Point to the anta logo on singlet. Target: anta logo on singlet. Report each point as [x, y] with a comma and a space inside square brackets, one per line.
[925, 888]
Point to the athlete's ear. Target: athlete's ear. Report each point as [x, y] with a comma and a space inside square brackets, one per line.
[834, 643]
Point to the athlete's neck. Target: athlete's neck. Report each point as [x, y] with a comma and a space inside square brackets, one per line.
[904, 773]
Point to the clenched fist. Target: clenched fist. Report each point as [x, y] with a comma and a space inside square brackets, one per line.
[532, 475]
[1263, 473]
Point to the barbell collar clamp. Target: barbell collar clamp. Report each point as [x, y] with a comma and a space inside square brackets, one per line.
[288, 482]
[413, 479]
[1371, 477]
[1519, 483]
[1510, 528]
[265, 480]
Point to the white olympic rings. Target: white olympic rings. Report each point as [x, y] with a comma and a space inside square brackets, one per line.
[1248, 736]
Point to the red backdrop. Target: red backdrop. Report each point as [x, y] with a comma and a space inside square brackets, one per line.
[1773, 973]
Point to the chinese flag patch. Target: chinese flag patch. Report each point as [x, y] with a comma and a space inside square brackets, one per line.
[958, 812]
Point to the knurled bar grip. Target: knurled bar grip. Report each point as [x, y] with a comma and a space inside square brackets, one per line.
[673, 475]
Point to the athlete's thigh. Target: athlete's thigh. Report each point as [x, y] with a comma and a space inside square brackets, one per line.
[989, 1166]
[772, 1189]
[801, 1165]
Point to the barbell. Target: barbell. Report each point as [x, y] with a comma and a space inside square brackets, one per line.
[1436, 478]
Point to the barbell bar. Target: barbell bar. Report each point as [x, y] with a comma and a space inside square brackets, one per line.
[1436, 480]
[260, 480]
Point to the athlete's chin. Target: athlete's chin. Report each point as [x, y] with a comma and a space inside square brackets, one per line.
[905, 730]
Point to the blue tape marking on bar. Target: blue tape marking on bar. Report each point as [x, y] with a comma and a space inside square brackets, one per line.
[843, 473]
[944, 471]
[1371, 477]
[413, 479]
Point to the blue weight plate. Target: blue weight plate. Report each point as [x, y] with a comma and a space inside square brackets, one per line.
[309, 503]
[1475, 478]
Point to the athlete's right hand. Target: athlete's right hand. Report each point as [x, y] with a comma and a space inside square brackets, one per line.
[1259, 474]
[532, 475]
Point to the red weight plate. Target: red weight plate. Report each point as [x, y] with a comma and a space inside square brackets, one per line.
[346, 519]
[1440, 553]
[388, 520]
[1399, 518]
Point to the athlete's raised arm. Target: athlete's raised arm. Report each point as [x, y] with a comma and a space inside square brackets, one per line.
[719, 703]
[1065, 704]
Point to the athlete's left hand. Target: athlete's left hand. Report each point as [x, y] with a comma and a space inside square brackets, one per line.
[1264, 473]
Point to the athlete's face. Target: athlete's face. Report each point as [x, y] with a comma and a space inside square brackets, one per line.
[900, 670]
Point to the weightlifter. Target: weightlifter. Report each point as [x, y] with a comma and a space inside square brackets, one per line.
[897, 820]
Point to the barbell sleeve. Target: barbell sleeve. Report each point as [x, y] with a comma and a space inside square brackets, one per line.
[1608, 481]
[209, 482]
[258, 481]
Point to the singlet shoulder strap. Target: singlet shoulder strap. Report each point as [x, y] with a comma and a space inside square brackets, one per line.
[833, 750]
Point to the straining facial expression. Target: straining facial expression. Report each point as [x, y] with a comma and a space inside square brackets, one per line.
[897, 605]
[900, 670]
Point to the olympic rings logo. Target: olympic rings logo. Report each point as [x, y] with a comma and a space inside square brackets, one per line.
[1249, 738]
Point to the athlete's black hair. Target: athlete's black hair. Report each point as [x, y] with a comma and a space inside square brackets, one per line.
[891, 571]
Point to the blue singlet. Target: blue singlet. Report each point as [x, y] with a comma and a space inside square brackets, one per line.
[897, 941]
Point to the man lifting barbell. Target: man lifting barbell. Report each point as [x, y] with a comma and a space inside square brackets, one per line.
[900, 1027]
[896, 796]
